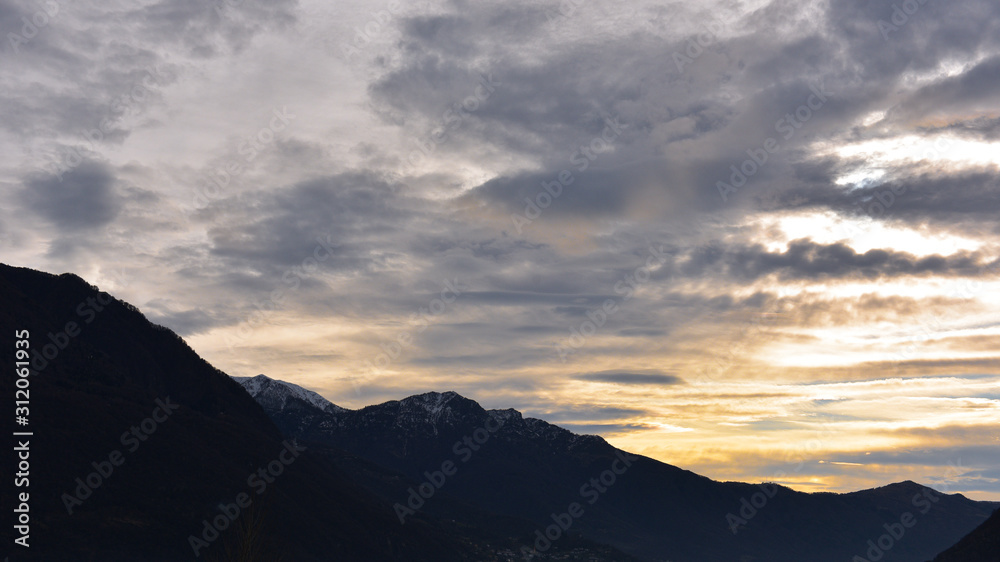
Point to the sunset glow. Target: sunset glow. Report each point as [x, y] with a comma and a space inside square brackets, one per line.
[538, 219]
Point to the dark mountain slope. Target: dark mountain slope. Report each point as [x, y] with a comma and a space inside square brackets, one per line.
[108, 378]
[293, 406]
[981, 545]
[531, 469]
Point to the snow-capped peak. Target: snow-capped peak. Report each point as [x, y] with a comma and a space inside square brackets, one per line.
[276, 394]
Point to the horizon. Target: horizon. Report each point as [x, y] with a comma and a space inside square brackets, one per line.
[753, 240]
[942, 489]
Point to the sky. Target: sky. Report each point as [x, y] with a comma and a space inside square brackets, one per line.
[753, 239]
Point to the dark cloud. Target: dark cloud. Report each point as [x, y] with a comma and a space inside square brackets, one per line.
[203, 28]
[805, 259]
[185, 323]
[631, 378]
[813, 310]
[592, 413]
[338, 213]
[108, 64]
[936, 32]
[965, 92]
[83, 198]
[681, 136]
[607, 192]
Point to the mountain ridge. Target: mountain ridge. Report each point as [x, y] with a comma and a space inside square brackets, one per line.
[102, 376]
[280, 392]
[522, 470]
[514, 474]
[278, 395]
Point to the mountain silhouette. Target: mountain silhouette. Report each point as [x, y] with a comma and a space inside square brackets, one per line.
[98, 491]
[981, 545]
[533, 470]
[141, 450]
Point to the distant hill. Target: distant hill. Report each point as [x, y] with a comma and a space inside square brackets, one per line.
[981, 545]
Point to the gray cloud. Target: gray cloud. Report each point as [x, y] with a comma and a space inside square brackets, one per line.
[86, 197]
[202, 28]
[636, 378]
[806, 259]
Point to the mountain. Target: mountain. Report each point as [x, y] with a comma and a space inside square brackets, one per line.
[981, 545]
[527, 468]
[141, 450]
[287, 403]
[279, 395]
[293, 408]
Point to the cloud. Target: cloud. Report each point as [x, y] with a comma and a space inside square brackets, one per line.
[631, 378]
[202, 29]
[184, 323]
[591, 413]
[805, 259]
[86, 197]
[269, 229]
[607, 429]
[968, 92]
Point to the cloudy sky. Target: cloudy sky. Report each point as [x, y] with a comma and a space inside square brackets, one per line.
[754, 239]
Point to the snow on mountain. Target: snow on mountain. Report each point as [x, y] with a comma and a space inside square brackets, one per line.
[433, 402]
[432, 410]
[275, 394]
[505, 415]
